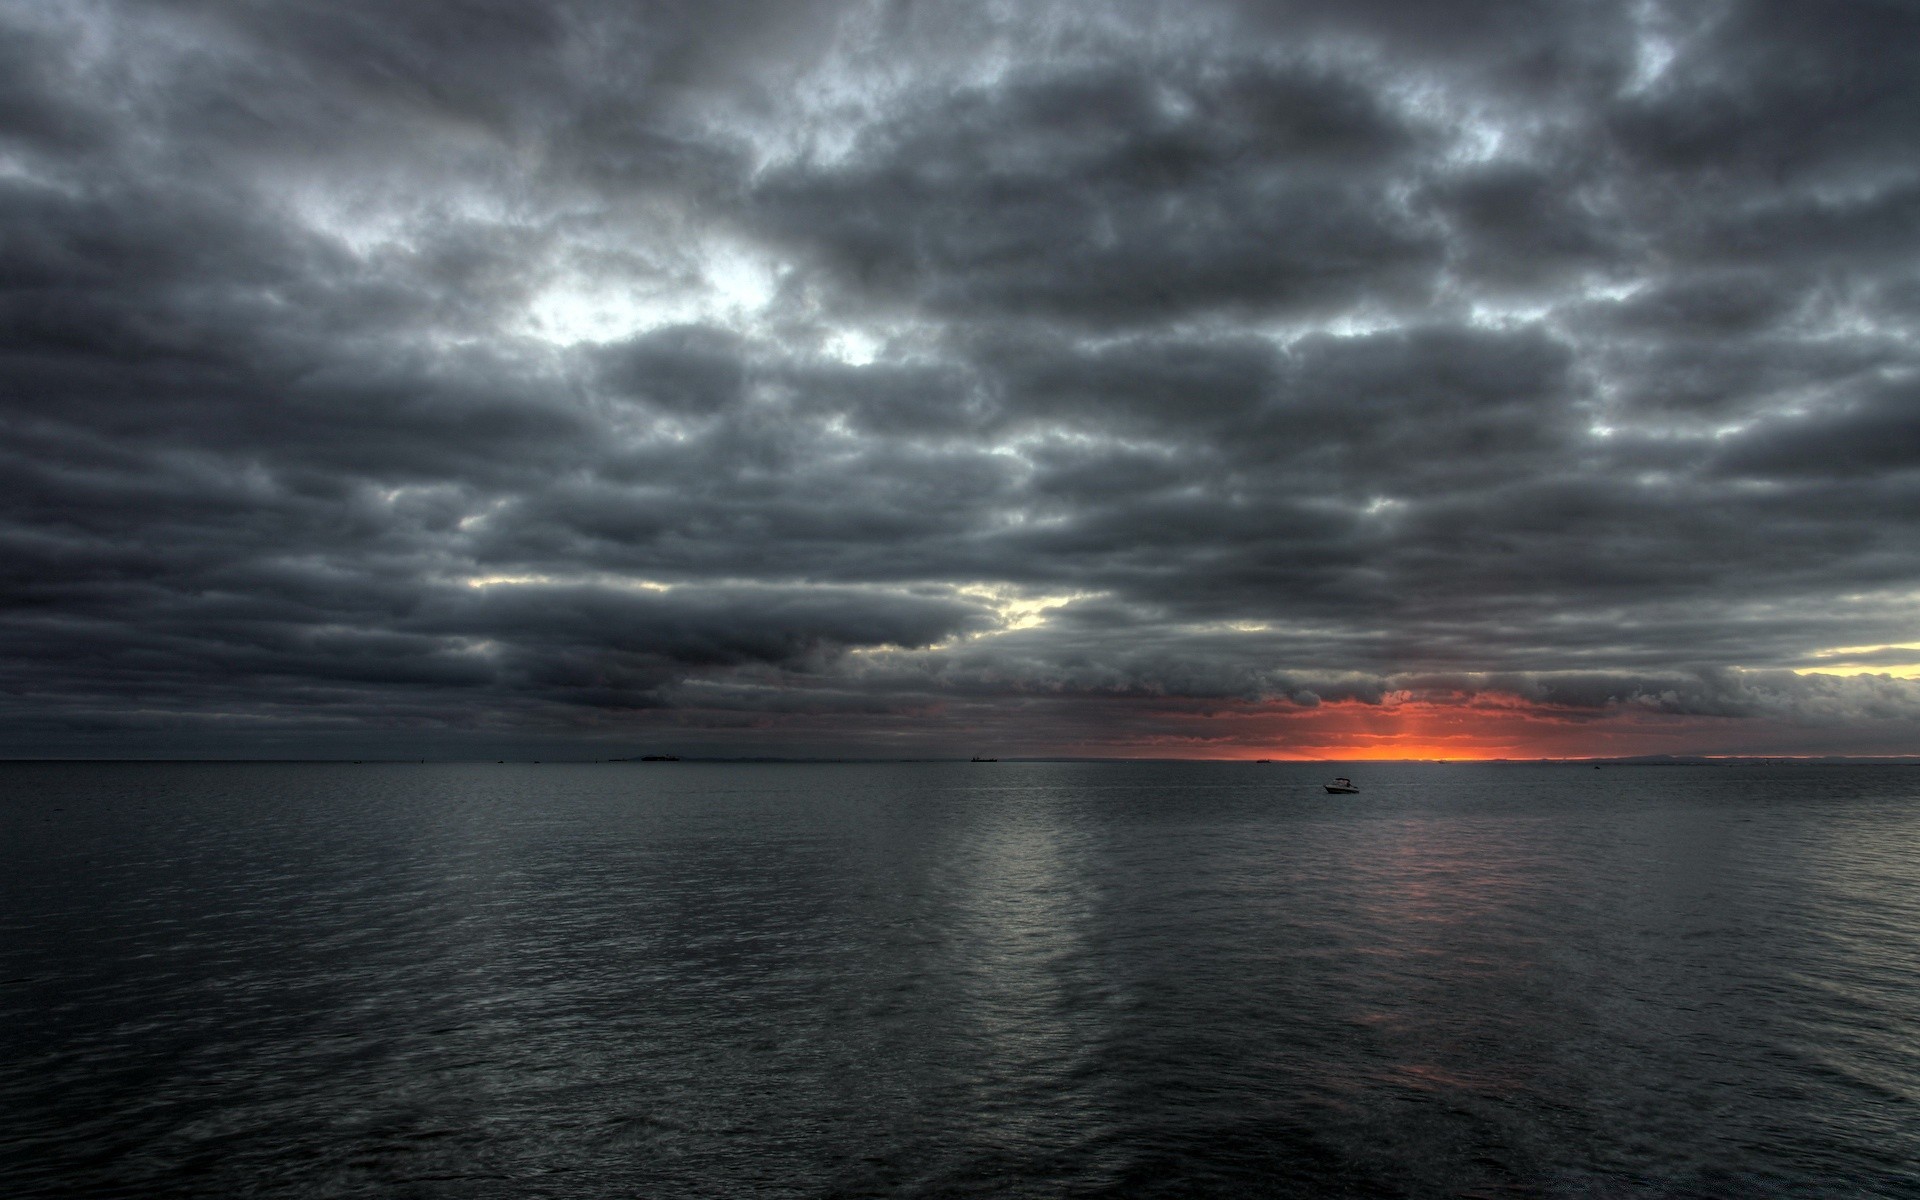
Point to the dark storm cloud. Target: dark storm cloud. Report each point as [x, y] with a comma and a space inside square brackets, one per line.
[885, 375]
[1120, 193]
[1707, 692]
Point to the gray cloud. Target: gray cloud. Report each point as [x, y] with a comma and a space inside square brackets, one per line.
[1120, 193]
[884, 377]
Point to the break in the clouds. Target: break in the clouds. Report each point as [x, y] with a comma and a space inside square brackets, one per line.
[927, 378]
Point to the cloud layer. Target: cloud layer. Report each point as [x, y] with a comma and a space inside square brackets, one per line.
[896, 378]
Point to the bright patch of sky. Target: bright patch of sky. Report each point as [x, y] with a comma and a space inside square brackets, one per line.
[1858, 660]
[725, 282]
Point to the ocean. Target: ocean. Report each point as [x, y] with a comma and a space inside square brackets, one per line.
[958, 979]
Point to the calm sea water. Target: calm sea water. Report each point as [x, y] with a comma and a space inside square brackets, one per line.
[1001, 979]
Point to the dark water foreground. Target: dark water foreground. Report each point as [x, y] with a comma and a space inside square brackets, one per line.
[998, 979]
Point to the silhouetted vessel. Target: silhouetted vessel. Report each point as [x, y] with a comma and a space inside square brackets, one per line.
[659, 758]
[977, 758]
[1343, 787]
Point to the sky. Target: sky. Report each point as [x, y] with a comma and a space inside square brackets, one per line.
[1331, 379]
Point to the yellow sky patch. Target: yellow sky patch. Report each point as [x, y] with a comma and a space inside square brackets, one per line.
[1852, 660]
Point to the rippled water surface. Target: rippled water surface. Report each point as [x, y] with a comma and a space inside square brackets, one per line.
[990, 979]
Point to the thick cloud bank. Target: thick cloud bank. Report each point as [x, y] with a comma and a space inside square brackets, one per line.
[588, 377]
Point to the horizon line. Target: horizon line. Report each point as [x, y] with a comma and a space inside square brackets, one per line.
[638, 760]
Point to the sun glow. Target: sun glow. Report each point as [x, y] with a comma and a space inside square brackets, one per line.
[1437, 729]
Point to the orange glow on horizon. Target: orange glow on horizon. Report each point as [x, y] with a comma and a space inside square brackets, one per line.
[1473, 729]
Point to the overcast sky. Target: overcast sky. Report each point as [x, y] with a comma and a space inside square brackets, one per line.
[1389, 377]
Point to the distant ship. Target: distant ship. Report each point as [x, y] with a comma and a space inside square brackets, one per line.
[659, 758]
[977, 758]
[1343, 787]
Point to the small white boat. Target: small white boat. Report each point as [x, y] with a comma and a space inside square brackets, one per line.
[1343, 787]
